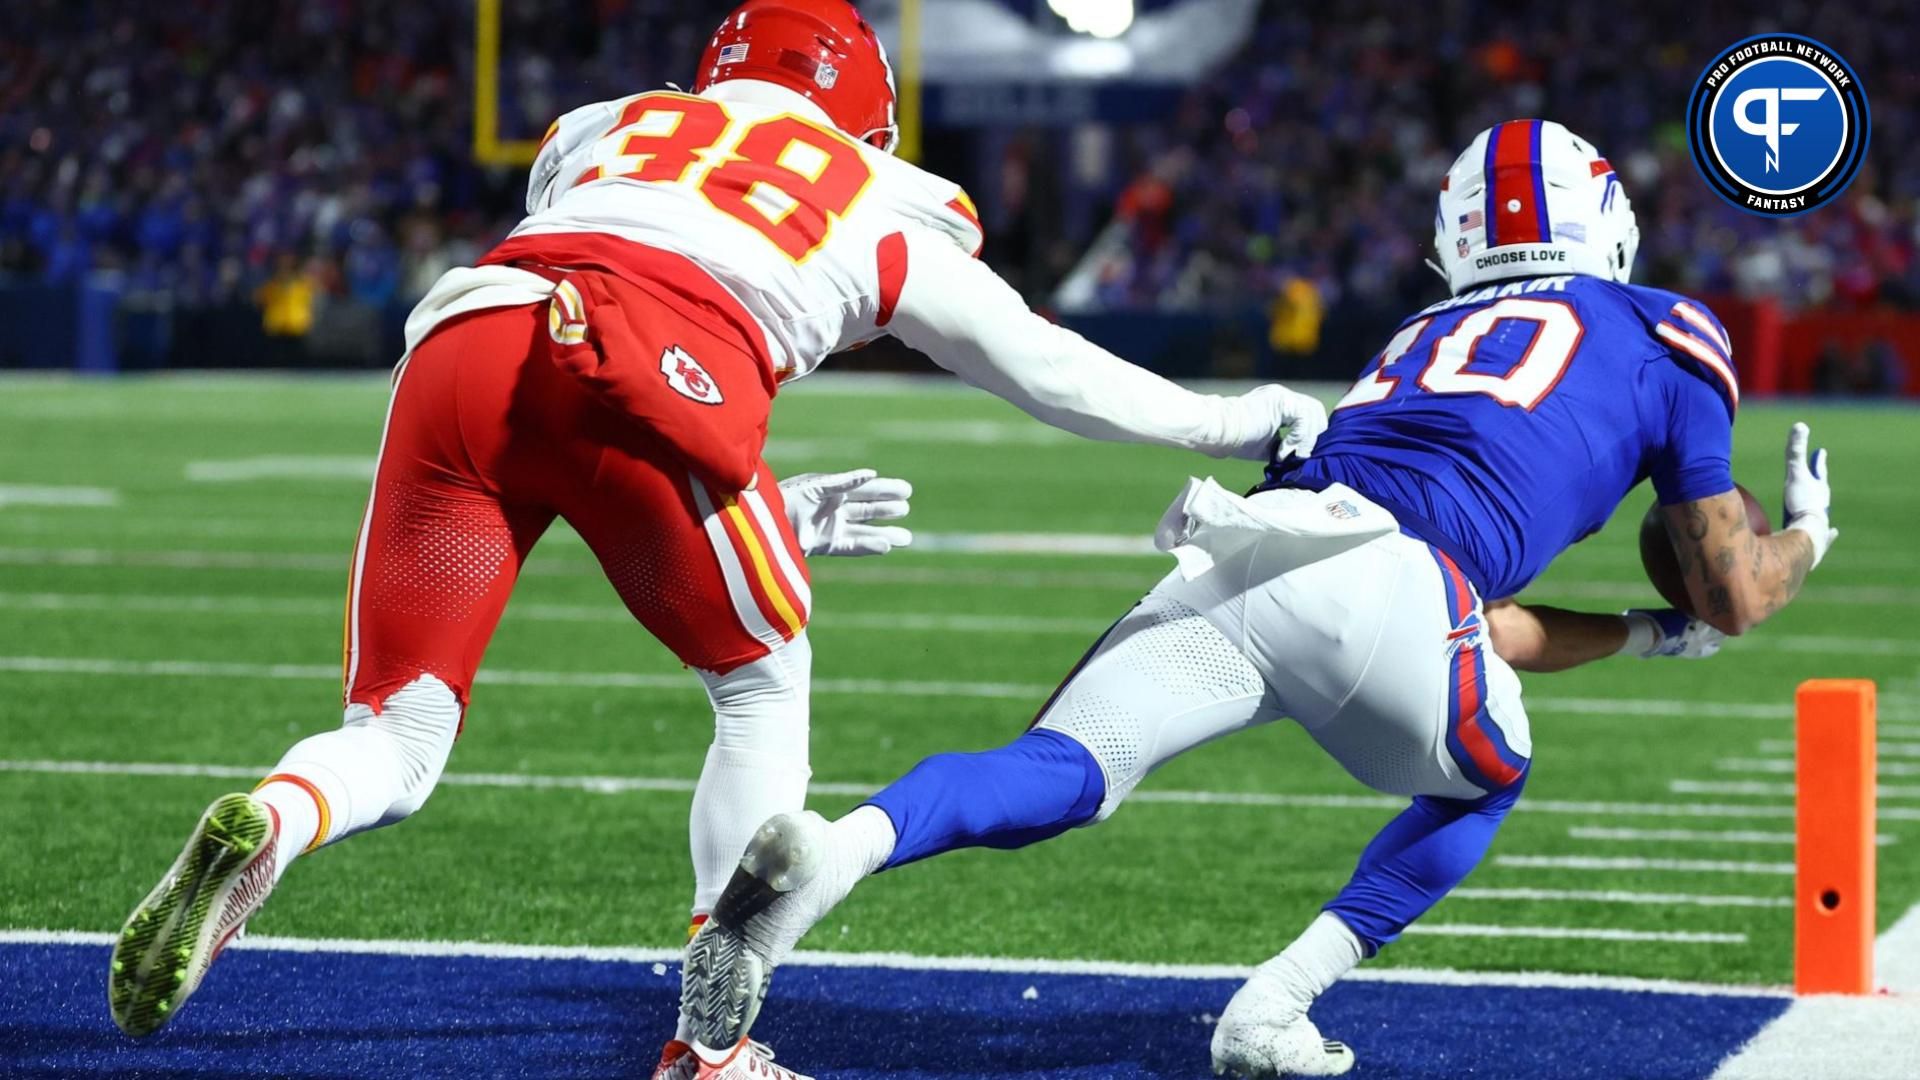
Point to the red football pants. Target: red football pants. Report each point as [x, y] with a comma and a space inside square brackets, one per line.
[486, 442]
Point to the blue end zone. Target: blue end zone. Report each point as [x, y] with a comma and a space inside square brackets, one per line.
[344, 1015]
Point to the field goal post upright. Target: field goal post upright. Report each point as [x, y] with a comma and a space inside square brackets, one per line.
[488, 147]
[909, 75]
[1834, 823]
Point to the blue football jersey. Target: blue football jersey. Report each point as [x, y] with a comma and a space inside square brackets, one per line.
[1507, 423]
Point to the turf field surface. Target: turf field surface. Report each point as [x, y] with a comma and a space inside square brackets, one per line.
[172, 557]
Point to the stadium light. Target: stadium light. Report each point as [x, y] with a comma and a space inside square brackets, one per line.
[1101, 18]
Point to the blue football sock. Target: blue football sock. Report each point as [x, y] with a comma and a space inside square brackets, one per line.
[1038, 786]
[1417, 859]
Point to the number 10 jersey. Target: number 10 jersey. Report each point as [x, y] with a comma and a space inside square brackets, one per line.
[1507, 423]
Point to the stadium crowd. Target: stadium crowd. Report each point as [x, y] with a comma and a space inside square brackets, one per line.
[1314, 157]
[279, 154]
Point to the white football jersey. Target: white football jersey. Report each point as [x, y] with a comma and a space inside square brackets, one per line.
[786, 213]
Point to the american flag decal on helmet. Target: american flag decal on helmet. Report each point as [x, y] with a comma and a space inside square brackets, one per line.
[733, 54]
[1472, 219]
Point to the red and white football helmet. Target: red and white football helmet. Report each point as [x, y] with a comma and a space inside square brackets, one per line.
[821, 49]
[1528, 198]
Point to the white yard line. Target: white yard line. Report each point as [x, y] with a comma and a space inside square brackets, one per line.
[57, 495]
[358, 468]
[1619, 896]
[1784, 766]
[1138, 580]
[1887, 747]
[1877, 595]
[613, 785]
[1543, 980]
[1691, 836]
[610, 612]
[196, 604]
[1035, 692]
[1830, 1037]
[1768, 787]
[630, 680]
[1036, 544]
[1623, 862]
[1576, 933]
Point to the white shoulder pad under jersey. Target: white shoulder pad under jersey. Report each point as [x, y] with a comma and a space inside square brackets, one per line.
[792, 217]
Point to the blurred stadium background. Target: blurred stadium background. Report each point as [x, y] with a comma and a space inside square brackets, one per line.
[1226, 187]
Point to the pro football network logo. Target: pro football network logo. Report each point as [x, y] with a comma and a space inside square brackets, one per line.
[1778, 124]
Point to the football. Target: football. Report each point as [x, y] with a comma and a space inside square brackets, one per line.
[1663, 564]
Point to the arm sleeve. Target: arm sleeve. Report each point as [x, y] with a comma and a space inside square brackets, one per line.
[1695, 460]
[969, 321]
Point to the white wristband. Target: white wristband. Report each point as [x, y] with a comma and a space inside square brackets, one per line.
[1818, 529]
[1643, 633]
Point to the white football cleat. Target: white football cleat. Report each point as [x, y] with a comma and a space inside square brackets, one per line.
[1264, 1032]
[220, 879]
[731, 960]
[748, 1060]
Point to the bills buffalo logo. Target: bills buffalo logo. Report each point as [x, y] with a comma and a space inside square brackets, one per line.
[688, 378]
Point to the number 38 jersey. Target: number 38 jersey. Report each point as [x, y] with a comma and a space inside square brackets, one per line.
[790, 216]
[1508, 423]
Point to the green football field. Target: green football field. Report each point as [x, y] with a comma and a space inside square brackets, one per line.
[172, 558]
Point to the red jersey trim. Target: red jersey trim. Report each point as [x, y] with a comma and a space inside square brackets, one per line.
[892, 256]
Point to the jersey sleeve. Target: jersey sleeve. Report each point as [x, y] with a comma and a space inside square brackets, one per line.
[563, 138]
[933, 203]
[1694, 459]
[962, 315]
[1698, 342]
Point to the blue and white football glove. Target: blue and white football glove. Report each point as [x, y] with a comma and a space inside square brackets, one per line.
[830, 512]
[1808, 496]
[1666, 632]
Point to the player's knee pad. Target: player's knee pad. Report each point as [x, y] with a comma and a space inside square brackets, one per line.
[417, 725]
[762, 707]
[1162, 681]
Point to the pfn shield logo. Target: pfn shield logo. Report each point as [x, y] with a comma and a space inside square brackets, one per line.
[1778, 124]
[688, 378]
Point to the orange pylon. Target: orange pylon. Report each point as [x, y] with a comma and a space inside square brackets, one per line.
[1833, 922]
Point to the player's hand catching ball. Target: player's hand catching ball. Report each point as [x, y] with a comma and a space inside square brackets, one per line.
[831, 512]
[1666, 632]
[1269, 410]
[1808, 496]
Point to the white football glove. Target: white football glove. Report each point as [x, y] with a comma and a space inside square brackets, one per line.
[1808, 496]
[1666, 632]
[1265, 411]
[830, 512]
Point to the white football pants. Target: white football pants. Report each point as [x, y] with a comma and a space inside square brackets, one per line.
[1379, 652]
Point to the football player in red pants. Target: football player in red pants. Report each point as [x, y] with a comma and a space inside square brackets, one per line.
[613, 363]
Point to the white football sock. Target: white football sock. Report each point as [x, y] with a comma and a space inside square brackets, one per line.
[757, 766]
[856, 846]
[1317, 959]
[374, 770]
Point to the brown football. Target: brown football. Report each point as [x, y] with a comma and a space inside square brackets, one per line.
[1663, 566]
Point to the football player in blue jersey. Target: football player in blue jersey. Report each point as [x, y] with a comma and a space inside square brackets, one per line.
[1365, 593]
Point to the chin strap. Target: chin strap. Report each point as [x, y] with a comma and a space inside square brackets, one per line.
[1436, 268]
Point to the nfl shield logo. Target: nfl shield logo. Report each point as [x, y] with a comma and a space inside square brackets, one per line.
[825, 76]
[733, 54]
[1343, 510]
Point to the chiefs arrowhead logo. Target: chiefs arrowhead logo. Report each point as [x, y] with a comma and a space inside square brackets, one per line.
[688, 378]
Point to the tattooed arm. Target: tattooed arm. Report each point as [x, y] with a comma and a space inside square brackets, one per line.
[1735, 577]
